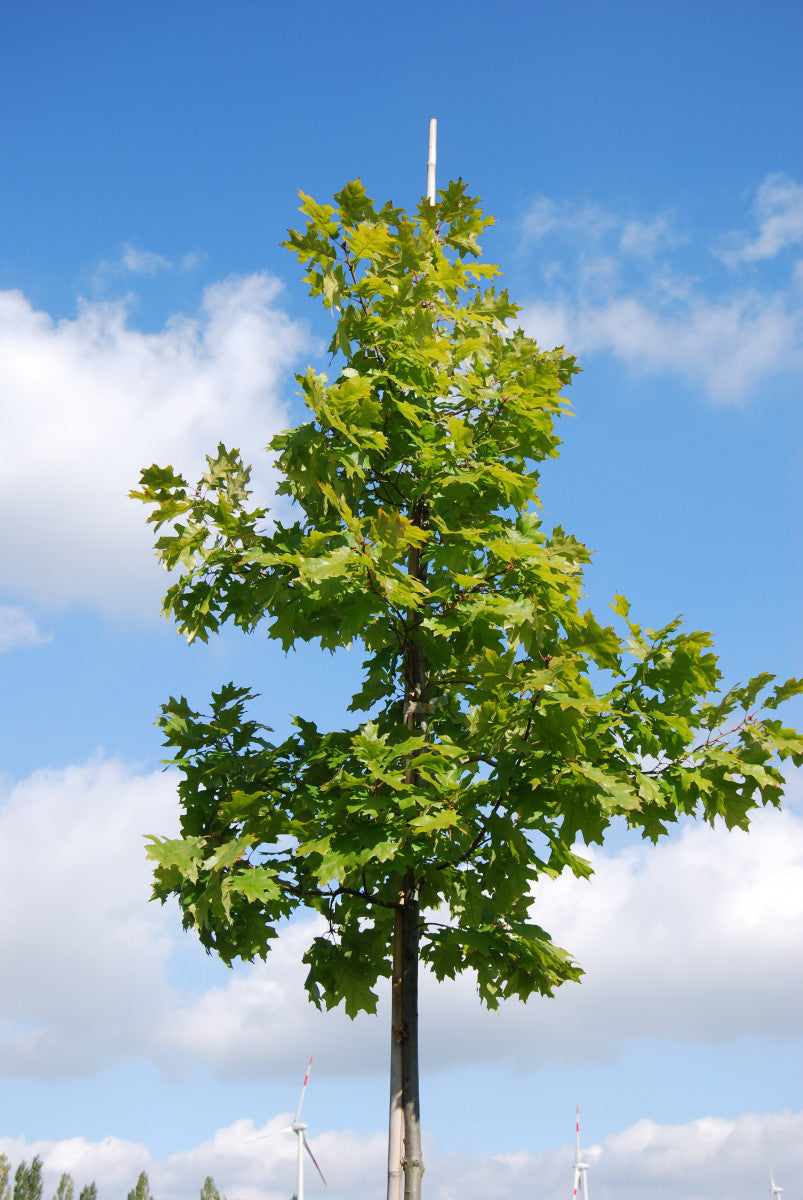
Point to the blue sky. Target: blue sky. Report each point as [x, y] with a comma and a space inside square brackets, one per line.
[643, 165]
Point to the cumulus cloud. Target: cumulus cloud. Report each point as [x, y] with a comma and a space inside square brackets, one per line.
[18, 629]
[84, 953]
[89, 401]
[260, 1018]
[616, 285]
[677, 941]
[694, 1161]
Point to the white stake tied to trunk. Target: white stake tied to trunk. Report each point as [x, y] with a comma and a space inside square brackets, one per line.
[774, 1189]
[431, 157]
[580, 1168]
[298, 1128]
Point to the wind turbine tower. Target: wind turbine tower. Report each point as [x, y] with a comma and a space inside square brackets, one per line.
[580, 1167]
[298, 1127]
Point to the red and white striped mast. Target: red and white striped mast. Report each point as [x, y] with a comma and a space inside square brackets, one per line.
[580, 1167]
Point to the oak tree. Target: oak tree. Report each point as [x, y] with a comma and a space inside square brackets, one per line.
[499, 724]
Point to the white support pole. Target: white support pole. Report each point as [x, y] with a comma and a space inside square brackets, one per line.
[433, 139]
[396, 1122]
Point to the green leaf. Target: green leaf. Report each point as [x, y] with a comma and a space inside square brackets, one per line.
[255, 885]
[369, 241]
[183, 853]
[443, 818]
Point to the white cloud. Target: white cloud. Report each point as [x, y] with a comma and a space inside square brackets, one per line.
[706, 1157]
[191, 260]
[143, 262]
[18, 629]
[728, 349]
[681, 939]
[615, 285]
[261, 1018]
[546, 216]
[84, 953]
[133, 260]
[592, 225]
[778, 210]
[645, 238]
[87, 402]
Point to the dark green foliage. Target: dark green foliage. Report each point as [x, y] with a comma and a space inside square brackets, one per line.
[28, 1181]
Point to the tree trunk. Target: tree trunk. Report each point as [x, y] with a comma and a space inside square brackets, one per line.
[413, 1163]
[404, 1123]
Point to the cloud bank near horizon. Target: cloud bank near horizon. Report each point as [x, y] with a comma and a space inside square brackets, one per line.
[705, 1157]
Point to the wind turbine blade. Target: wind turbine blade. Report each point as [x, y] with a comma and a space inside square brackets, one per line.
[576, 1182]
[314, 1159]
[303, 1088]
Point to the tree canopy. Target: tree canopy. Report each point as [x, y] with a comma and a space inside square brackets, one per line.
[499, 725]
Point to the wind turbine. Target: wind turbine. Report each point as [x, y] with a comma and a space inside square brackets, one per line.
[774, 1189]
[580, 1168]
[297, 1127]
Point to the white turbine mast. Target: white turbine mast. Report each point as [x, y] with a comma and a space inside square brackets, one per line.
[298, 1128]
[774, 1189]
[580, 1167]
